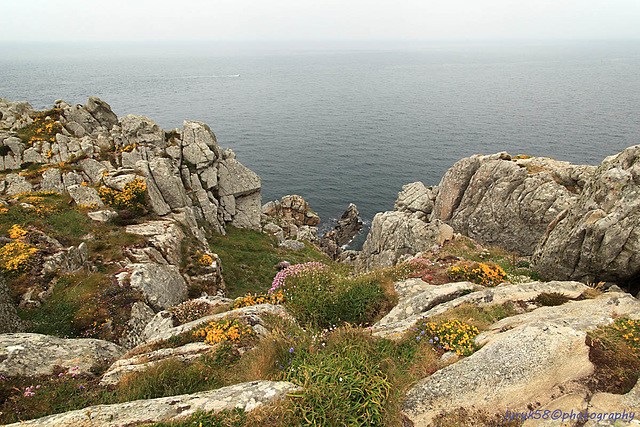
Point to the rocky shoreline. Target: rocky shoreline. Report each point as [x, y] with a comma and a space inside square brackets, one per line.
[160, 198]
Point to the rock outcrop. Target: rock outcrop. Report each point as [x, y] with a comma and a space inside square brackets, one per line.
[531, 360]
[404, 231]
[182, 169]
[348, 226]
[598, 237]
[508, 202]
[290, 214]
[394, 234]
[246, 396]
[35, 354]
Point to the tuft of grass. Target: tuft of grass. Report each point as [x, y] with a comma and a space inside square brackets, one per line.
[249, 258]
[614, 350]
[550, 299]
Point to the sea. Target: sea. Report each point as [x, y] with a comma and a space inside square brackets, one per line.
[352, 122]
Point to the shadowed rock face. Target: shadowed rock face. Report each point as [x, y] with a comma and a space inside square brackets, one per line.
[598, 238]
[349, 225]
[507, 202]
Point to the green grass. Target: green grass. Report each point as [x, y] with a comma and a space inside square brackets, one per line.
[249, 258]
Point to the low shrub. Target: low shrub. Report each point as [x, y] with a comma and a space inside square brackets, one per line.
[483, 274]
[131, 198]
[551, 299]
[228, 330]
[452, 335]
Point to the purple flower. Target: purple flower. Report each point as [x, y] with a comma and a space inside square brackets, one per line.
[418, 338]
[291, 350]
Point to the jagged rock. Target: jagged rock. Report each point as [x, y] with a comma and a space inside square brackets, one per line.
[508, 203]
[291, 212]
[162, 286]
[394, 234]
[167, 179]
[141, 315]
[15, 115]
[423, 305]
[208, 204]
[349, 225]
[52, 181]
[275, 230]
[140, 130]
[79, 122]
[617, 404]
[70, 179]
[17, 184]
[246, 396]
[165, 236]
[118, 180]
[598, 238]
[9, 320]
[160, 324]
[247, 211]
[199, 145]
[416, 298]
[138, 363]
[532, 358]
[415, 197]
[158, 204]
[103, 216]
[94, 170]
[35, 354]
[66, 261]
[292, 245]
[85, 196]
[101, 111]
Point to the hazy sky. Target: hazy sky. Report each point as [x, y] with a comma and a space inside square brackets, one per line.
[56, 20]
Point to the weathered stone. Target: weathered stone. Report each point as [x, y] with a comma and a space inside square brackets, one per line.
[534, 357]
[66, 261]
[165, 236]
[199, 145]
[94, 170]
[292, 245]
[417, 298]
[85, 196]
[237, 180]
[247, 211]
[141, 315]
[14, 114]
[138, 363]
[35, 354]
[141, 130]
[79, 122]
[348, 226]
[246, 396]
[415, 197]
[508, 203]
[167, 179]
[162, 286]
[161, 323]
[308, 233]
[17, 184]
[158, 204]
[394, 234]
[251, 311]
[101, 111]
[598, 239]
[103, 216]
[52, 181]
[9, 320]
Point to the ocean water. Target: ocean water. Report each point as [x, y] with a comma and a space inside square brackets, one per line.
[353, 122]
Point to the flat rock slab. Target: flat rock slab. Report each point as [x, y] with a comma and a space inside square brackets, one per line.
[532, 358]
[429, 304]
[422, 297]
[247, 396]
[138, 363]
[35, 354]
[251, 311]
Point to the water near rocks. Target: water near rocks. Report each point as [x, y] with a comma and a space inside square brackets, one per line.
[342, 123]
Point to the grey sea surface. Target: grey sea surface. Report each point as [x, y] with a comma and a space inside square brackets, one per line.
[353, 122]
